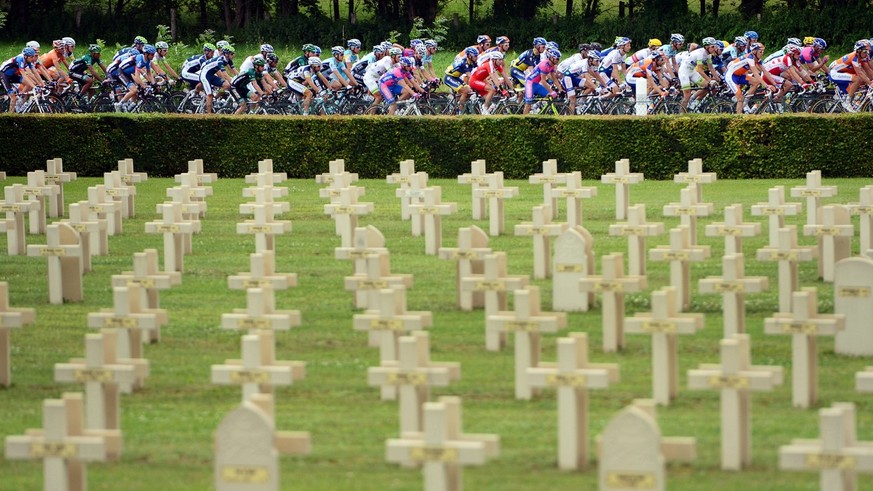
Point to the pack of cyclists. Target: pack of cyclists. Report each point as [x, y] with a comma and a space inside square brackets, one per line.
[390, 73]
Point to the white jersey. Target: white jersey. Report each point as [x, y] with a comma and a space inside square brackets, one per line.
[697, 57]
[376, 70]
[575, 69]
[248, 63]
[778, 54]
[638, 56]
[565, 65]
[611, 58]
[778, 65]
[486, 56]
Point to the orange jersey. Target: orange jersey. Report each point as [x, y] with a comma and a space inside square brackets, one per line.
[51, 59]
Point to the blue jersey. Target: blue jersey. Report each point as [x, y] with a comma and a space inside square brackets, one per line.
[526, 59]
[215, 65]
[336, 66]
[130, 65]
[14, 66]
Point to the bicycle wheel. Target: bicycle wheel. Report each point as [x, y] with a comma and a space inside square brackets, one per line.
[174, 103]
[153, 106]
[53, 105]
[375, 109]
[827, 106]
[622, 108]
[721, 107]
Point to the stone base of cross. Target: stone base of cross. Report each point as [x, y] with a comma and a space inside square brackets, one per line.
[10, 318]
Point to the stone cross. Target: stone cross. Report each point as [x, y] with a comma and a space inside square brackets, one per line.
[664, 323]
[258, 371]
[64, 445]
[574, 192]
[776, 209]
[476, 178]
[612, 285]
[119, 192]
[55, 174]
[403, 178]
[260, 313]
[548, 178]
[265, 168]
[680, 253]
[804, 324]
[345, 213]
[864, 380]
[131, 178]
[64, 254]
[528, 323]
[151, 280]
[375, 277]
[101, 371]
[837, 455]
[735, 377]
[38, 190]
[390, 320]
[102, 207]
[733, 284]
[573, 377]
[367, 242]
[196, 180]
[853, 297]
[634, 432]
[494, 282]
[432, 209]
[864, 210]
[192, 194]
[197, 172]
[469, 257]
[695, 175]
[813, 191]
[688, 209]
[636, 229]
[542, 230]
[495, 192]
[264, 185]
[86, 228]
[442, 448]
[265, 227]
[733, 229]
[412, 375]
[15, 207]
[787, 253]
[622, 178]
[573, 260]
[834, 234]
[263, 274]
[10, 318]
[413, 193]
[174, 229]
[335, 168]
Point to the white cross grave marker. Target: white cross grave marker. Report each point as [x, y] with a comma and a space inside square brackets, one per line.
[10, 318]
[864, 210]
[64, 254]
[56, 175]
[131, 178]
[174, 229]
[573, 260]
[733, 284]
[37, 190]
[265, 169]
[15, 206]
[476, 178]
[853, 298]
[86, 228]
[345, 213]
[541, 229]
[680, 254]
[495, 192]
[431, 210]
[258, 372]
[260, 313]
[494, 282]
[404, 179]
[263, 274]
[834, 234]
[776, 209]
[469, 256]
[574, 192]
[548, 178]
[375, 277]
[733, 229]
[622, 178]
[612, 284]
[695, 175]
[688, 209]
[335, 168]
[636, 229]
[787, 253]
[102, 207]
[147, 275]
[813, 191]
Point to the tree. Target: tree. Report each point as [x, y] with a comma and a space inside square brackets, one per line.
[751, 8]
[513, 9]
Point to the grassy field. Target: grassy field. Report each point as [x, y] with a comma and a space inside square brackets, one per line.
[168, 426]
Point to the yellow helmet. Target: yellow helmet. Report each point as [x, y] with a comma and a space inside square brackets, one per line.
[808, 41]
[655, 43]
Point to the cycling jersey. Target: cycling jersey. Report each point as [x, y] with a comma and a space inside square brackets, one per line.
[463, 53]
[642, 68]
[610, 57]
[479, 76]
[850, 63]
[564, 65]
[638, 56]
[532, 83]
[527, 59]
[80, 65]
[359, 68]
[130, 65]
[778, 65]
[51, 59]
[731, 53]
[487, 56]
[338, 67]
[669, 51]
[388, 83]
[808, 55]
[349, 57]
[13, 66]
[240, 83]
[777, 54]
[459, 68]
[697, 57]
[294, 64]
[124, 52]
[577, 67]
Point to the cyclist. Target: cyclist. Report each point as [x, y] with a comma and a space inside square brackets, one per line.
[785, 70]
[359, 68]
[375, 71]
[784, 51]
[14, 71]
[526, 60]
[337, 64]
[272, 75]
[310, 79]
[132, 70]
[735, 50]
[486, 79]
[297, 62]
[572, 72]
[191, 67]
[213, 75]
[644, 53]
[419, 73]
[458, 71]
[427, 60]
[166, 71]
[80, 65]
[751, 37]
[849, 72]
[692, 71]
[139, 43]
[649, 69]
[500, 46]
[537, 82]
[811, 58]
[396, 82]
[612, 63]
[747, 70]
[53, 59]
[483, 42]
[248, 80]
[231, 68]
[670, 51]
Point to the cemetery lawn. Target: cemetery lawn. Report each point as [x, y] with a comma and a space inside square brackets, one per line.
[168, 426]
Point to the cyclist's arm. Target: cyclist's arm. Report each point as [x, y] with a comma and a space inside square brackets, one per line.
[701, 69]
[350, 80]
[277, 76]
[311, 84]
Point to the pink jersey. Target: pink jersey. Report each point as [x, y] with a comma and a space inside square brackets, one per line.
[543, 68]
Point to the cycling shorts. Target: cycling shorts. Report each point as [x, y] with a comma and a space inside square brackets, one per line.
[10, 84]
[533, 90]
[842, 79]
[389, 91]
[454, 83]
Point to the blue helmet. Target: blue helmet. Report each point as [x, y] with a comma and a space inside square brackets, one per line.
[741, 41]
[430, 43]
[471, 52]
[416, 42]
[149, 49]
[539, 41]
[28, 52]
[407, 61]
[553, 53]
[820, 43]
[316, 50]
[621, 41]
[751, 35]
[552, 45]
[483, 38]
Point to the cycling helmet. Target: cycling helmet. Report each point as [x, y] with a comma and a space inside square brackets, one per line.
[471, 52]
[552, 45]
[862, 45]
[655, 54]
[228, 50]
[57, 44]
[139, 40]
[655, 43]
[378, 49]
[272, 57]
[750, 35]
[395, 52]
[353, 43]
[316, 50]
[33, 44]
[553, 53]
[408, 52]
[502, 39]
[756, 47]
[741, 41]
[149, 49]
[162, 45]
[482, 38]
[223, 44]
[267, 48]
[386, 45]
[710, 41]
[724, 44]
[337, 50]
[539, 41]
[808, 41]
[28, 52]
[308, 47]
[584, 47]
[595, 47]
[820, 43]
[94, 48]
[677, 38]
[258, 61]
[594, 55]
[209, 47]
[420, 50]
[430, 43]
[69, 41]
[416, 43]
[621, 41]
[792, 49]
[497, 55]
[314, 61]
[406, 61]
[794, 42]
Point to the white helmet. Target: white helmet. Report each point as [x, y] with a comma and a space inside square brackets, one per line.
[33, 44]
[69, 41]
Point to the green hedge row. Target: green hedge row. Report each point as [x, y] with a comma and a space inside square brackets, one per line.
[784, 146]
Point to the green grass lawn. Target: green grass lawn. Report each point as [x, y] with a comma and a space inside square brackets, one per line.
[168, 426]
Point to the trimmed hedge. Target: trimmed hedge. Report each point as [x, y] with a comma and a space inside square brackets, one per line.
[785, 146]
